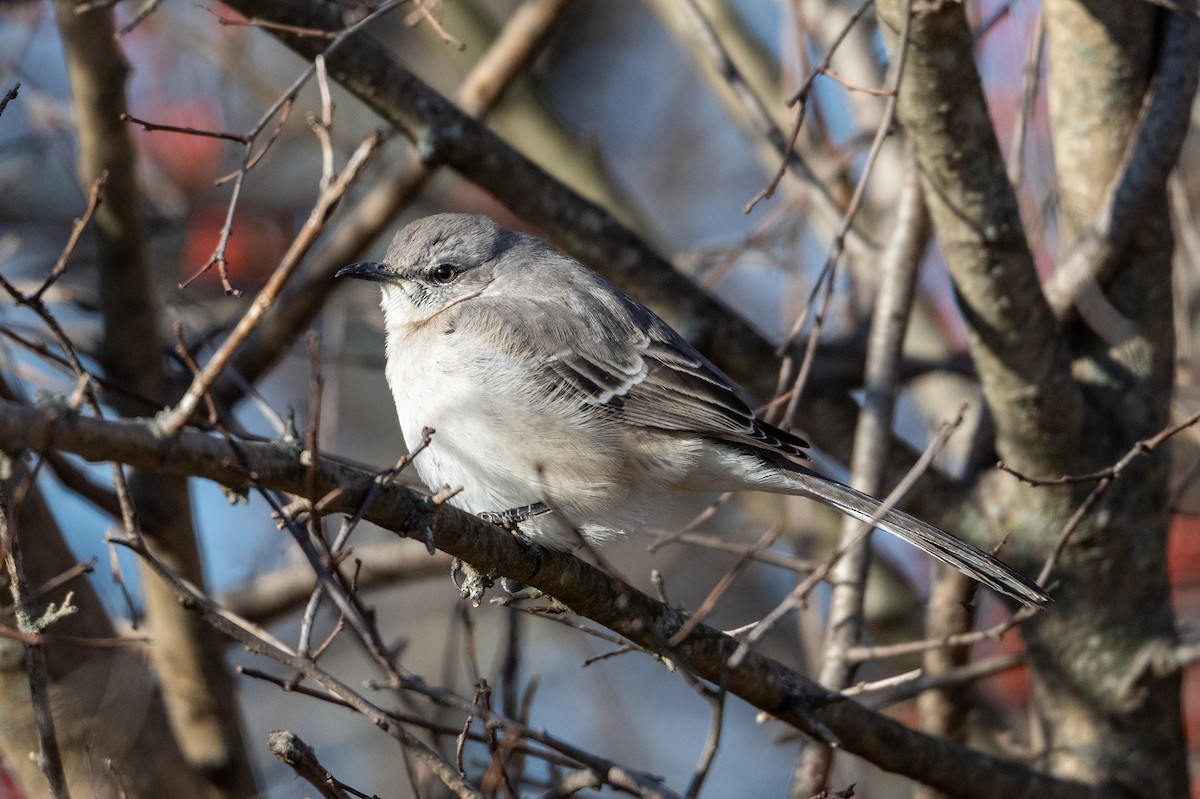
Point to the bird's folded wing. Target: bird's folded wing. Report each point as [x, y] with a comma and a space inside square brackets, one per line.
[620, 360]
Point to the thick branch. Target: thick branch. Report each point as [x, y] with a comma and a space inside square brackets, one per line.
[1148, 160]
[759, 680]
[1022, 360]
[197, 688]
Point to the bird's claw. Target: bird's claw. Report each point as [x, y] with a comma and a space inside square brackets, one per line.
[475, 583]
[509, 519]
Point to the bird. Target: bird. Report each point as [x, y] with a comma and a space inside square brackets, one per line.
[565, 410]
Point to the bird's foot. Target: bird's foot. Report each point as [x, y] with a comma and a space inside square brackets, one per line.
[509, 519]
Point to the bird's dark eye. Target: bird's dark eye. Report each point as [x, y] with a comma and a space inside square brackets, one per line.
[445, 273]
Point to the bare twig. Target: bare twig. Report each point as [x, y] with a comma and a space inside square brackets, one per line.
[11, 94]
[405, 718]
[829, 73]
[281, 108]
[60, 265]
[745, 105]
[882, 695]
[862, 653]
[173, 420]
[291, 750]
[1030, 74]
[799, 594]
[839, 240]
[710, 602]
[49, 756]
[275, 593]
[893, 306]
[715, 697]
[422, 13]
[85, 382]
[1146, 446]
[294, 30]
[139, 16]
[241, 138]
[723, 544]
[265, 645]
[1103, 479]
[800, 101]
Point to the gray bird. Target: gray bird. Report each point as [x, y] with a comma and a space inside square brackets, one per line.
[565, 408]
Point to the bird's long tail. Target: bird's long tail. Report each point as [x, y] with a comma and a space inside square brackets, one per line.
[968, 559]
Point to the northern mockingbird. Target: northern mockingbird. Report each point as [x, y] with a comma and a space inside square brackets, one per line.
[566, 408]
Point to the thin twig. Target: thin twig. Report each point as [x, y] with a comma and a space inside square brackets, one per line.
[742, 101]
[799, 594]
[872, 436]
[49, 756]
[173, 420]
[710, 602]
[878, 695]
[139, 16]
[422, 12]
[60, 265]
[715, 697]
[241, 138]
[265, 645]
[800, 101]
[863, 653]
[1030, 75]
[86, 383]
[281, 108]
[10, 95]
[723, 544]
[839, 241]
[254, 22]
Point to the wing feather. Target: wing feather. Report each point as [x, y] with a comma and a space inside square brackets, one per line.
[614, 358]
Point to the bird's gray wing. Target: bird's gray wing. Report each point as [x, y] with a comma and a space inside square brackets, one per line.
[615, 357]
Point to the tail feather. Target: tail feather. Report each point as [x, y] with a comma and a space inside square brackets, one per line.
[968, 559]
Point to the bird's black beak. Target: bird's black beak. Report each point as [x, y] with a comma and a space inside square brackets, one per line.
[367, 270]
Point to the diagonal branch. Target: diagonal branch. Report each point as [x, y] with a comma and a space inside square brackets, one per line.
[444, 135]
[759, 680]
[518, 43]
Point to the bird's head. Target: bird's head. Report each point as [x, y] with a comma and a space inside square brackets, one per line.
[433, 264]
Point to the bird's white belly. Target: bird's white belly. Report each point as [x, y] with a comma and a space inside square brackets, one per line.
[462, 452]
[504, 451]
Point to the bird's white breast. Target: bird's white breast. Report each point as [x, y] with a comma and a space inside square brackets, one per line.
[433, 390]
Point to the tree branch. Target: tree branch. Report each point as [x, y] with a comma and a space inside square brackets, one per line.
[1022, 360]
[1152, 153]
[759, 680]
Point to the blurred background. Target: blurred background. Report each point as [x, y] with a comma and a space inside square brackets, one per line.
[616, 106]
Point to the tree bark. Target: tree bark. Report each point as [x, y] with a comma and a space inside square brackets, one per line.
[188, 656]
[1102, 714]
